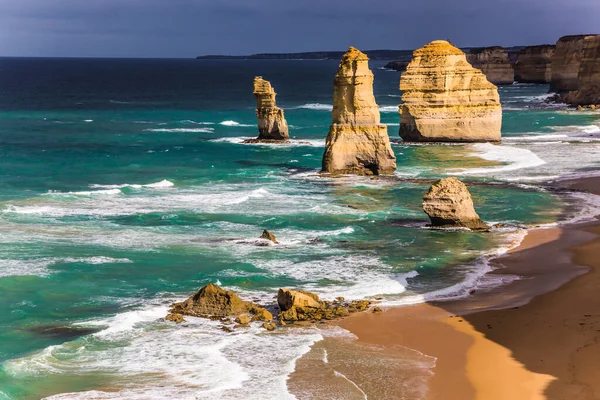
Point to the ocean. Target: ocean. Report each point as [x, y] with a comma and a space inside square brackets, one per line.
[124, 186]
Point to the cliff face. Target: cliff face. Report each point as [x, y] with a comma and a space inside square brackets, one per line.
[588, 91]
[494, 63]
[535, 64]
[357, 142]
[271, 121]
[445, 99]
[448, 204]
[566, 62]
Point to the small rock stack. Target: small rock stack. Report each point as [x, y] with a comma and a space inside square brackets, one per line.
[448, 204]
[272, 126]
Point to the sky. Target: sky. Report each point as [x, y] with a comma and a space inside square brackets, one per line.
[188, 28]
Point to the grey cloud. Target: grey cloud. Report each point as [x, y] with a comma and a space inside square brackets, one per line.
[185, 28]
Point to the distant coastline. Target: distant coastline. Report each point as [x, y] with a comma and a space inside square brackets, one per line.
[390, 55]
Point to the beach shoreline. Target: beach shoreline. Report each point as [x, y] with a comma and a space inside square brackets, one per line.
[532, 338]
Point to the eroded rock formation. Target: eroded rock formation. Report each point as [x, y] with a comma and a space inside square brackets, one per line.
[213, 301]
[566, 63]
[445, 99]
[535, 64]
[272, 125]
[494, 63]
[357, 142]
[448, 204]
[588, 78]
[269, 236]
[297, 305]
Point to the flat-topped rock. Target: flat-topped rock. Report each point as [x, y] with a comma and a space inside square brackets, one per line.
[494, 63]
[448, 204]
[534, 64]
[357, 142]
[445, 99]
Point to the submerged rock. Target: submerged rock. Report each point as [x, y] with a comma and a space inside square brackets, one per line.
[494, 63]
[178, 318]
[397, 65]
[357, 142]
[534, 64]
[268, 326]
[448, 204]
[566, 63]
[243, 319]
[272, 126]
[588, 79]
[269, 236]
[445, 99]
[214, 302]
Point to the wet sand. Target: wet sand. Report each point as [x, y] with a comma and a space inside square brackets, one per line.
[535, 338]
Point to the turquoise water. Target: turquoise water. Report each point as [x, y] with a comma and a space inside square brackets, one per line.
[124, 186]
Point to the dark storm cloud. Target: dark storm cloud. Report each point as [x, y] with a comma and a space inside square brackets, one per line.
[184, 28]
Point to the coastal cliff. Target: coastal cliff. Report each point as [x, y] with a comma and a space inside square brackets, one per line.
[357, 142]
[534, 64]
[566, 63]
[272, 125]
[445, 99]
[494, 63]
[588, 78]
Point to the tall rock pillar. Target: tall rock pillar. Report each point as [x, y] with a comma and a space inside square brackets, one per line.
[357, 142]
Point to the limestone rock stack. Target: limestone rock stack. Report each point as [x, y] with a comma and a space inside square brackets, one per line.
[566, 62]
[357, 142]
[271, 121]
[494, 63]
[535, 64]
[588, 90]
[445, 99]
[448, 204]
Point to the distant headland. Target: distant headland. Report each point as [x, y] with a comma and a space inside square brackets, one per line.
[390, 55]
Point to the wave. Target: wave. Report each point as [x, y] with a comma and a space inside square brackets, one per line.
[39, 266]
[235, 123]
[477, 277]
[139, 343]
[315, 106]
[162, 184]
[514, 157]
[189, 121]
[291, 142]
[181, 130]
[356, 277]
[388, 109]
[112, 189]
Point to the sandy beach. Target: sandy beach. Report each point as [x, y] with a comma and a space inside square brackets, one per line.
[535, 338]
